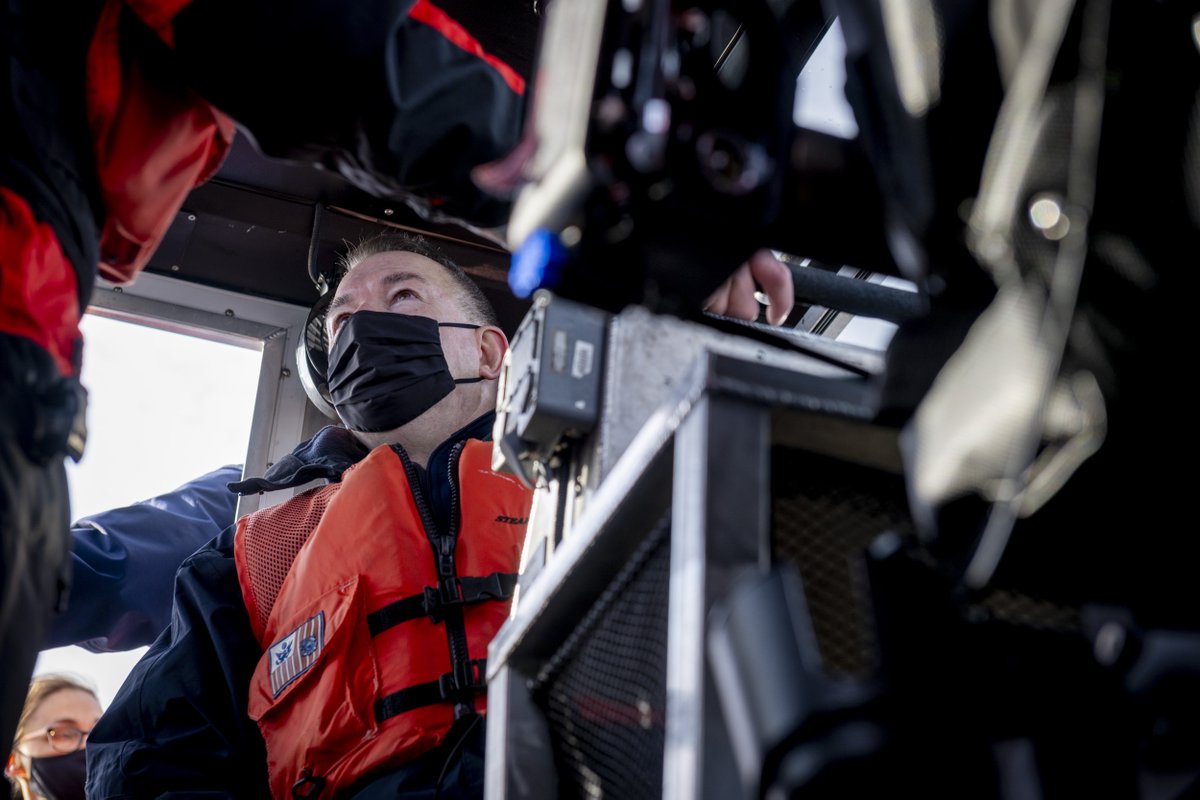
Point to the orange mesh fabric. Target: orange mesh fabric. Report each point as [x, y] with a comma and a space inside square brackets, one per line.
[270, 540]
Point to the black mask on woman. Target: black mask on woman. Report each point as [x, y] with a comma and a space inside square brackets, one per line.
[59, 777]
[387, 369]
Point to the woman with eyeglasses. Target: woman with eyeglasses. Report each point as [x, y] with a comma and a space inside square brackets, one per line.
[47, 758]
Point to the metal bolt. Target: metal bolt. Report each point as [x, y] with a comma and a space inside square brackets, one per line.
[670, 65]
[191, 217]
[174, 268]
[387, 212]
[285, 373]
[610, 111]
[118, 290]
[645, 717]
[1110, 641]
[1048, 216]
[644, 151]
[885, 546]
[622, 68]
[229, 312]
[656, 116]
[732, 164]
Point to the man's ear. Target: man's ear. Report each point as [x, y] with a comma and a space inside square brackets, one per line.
[492, 346]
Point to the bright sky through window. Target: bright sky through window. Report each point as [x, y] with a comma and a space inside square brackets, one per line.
[163, 408]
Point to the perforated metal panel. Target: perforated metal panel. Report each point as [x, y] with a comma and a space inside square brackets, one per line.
[824, 515]
[1004, 605]
[603, 692]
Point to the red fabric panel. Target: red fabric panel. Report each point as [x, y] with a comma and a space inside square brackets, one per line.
[429, 14]
[158, 15]
[37, 283]
[154, 143]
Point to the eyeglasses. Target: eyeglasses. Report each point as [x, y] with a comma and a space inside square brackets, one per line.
[64, 739]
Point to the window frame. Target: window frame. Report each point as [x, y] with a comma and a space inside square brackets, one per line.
[283, 416]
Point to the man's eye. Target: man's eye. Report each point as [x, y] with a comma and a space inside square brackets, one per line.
[403, 294]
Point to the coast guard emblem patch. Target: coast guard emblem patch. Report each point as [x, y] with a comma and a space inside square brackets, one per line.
[294, 654]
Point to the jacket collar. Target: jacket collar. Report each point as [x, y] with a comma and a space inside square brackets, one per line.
[332, 451]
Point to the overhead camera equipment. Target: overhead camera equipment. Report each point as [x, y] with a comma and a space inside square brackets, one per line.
[958, 568]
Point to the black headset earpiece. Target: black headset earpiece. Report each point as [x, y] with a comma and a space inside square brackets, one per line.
[312, 359]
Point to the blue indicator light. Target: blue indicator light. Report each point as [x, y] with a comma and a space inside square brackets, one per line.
[537, 263]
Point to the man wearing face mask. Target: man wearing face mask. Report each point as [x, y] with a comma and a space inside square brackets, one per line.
[335, 644]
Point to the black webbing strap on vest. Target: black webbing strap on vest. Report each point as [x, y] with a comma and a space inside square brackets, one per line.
[431, 602]
[468, 677]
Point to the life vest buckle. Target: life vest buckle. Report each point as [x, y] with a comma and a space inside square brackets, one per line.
[468, 676]
[447, 593]
[455, 591]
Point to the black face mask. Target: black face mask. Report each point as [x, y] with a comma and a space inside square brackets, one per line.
[59, 777]
[387, 369]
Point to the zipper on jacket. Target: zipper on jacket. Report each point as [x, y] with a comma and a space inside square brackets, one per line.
[456, 630]
[414, 485]
[443, 546]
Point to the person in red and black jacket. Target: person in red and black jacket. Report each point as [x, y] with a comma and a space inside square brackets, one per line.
[112, 110]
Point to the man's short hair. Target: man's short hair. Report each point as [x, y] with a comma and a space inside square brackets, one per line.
[475, 304]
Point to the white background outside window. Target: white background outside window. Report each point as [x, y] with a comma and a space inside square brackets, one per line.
[163, 408]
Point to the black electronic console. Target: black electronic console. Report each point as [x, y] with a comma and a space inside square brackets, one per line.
[549, 390]
[957, 568]
[667, 154]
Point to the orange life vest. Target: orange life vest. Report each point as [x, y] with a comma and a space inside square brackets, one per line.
[358, 603]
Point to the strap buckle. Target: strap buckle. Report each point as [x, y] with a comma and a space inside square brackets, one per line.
[468, 676]
[455, 591]
[492, 587]
[447, 593]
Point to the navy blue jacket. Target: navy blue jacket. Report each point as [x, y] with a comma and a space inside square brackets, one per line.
[123, 563]
[179, 725]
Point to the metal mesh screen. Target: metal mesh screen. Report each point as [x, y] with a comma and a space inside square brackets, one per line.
[824, 514]
[1013, 607]
[604, 691]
